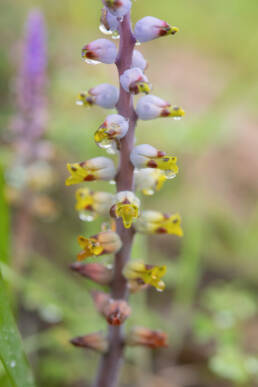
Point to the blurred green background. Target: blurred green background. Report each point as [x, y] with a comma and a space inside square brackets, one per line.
[209, 308]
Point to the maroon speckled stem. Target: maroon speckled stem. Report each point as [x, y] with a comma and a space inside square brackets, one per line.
[111, 362]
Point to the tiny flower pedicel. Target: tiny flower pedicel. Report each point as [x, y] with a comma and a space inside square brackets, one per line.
[141, 168]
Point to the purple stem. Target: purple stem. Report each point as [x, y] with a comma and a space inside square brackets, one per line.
[111, 362]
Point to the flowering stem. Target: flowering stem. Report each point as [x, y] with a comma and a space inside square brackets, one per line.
[111, 361]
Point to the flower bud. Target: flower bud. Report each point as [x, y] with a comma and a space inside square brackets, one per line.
[139, 61]
[98, 168]
[134, 81]
[103, 95]
[147, 274]
[147, 338]
[114, 311]
[145, 155]
[150, 28]
[111, 131]
[154, 222]
[118, 8]
[150, 107]
[109, 22]
[126, 206]
[100, 50]
[96, 341]
[90, 204]
[96, 272]
[106, 242]
[149, 180]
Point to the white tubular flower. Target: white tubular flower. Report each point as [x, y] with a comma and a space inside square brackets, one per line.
[111, 131]
[134, 81]
[126, 206]
[103, 95]
[150, 107]
[100, 50]
[109, 22]
[150, 28]
[149, 180]
[118, 8]
[146, 156]
[98, 168]
[139, 60]
[155, 222]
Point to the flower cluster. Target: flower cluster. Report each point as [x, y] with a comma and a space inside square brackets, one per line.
[142, 168]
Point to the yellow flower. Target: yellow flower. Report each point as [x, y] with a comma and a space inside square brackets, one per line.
[84, 199]
[90, 247]
[148, 274]
[90, 204]
[106, 242]
[149, 180]
[154, 222]
[126, 206]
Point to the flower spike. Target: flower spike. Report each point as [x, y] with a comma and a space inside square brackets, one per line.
[118, 8]
[149, 180]
[150, 107]
[150, 28]
[137, 272]
[111, 131]
[106, 242]
[154, 222]
[99, 168]
[126, 206]
[135, 82]
[101, 50]
[103, 95]
[147, 338]
[146, 156]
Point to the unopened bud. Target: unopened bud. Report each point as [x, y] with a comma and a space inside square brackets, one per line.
[103, 95]
[96, 272]
[135, 82]
[118, 8]
[149, 180]
[139, 60]
[95, 341]
[150, 28]
[146, 156]
[150, 107]
[109, 22]
[100, 50]
[111, 131]
[114, 311]
[126, 206]
[155, 222]
[147, 338]
[98, 168]
[106, 242]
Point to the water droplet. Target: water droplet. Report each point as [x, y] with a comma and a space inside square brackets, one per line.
[13, 364]
[177, 118]
[104, 31]
[92, 62]
[79, 103]
[85, 217]
[112, 182]
[169, 174]
[138, 43]
[115, 35]
[160, 290]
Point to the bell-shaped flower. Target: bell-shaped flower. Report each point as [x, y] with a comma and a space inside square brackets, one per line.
[100, 50]
[146, 156]
[103, 95]
[90, 204]
[147, 338]
[98, 168]
[137, 272]
[96, 272]
[118, 8]
[150, 107]
[111, 131]
[150, 28]
[106, 242]
[109, 23]
[126, 206]
[114, 311]
[155, 222]
[96, 341]
[149, 180]
[139, 60]
[135, 82]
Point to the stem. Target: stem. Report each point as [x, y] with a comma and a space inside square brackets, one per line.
[111, 362]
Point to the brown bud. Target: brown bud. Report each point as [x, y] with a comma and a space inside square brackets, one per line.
[95, 341]
[147, 338]
[96, 272]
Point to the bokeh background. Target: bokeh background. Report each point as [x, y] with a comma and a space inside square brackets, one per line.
[209, 307]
